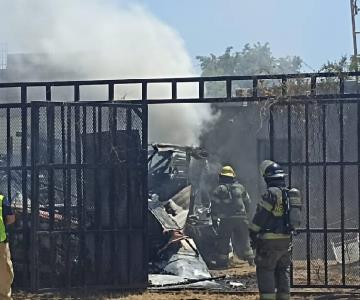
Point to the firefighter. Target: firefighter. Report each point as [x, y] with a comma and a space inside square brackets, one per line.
[270, 234]
[6, 269]
[229, 210]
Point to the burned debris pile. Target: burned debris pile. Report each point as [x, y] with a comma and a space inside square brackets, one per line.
[181, 233]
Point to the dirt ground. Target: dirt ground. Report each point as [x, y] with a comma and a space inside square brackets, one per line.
[180, 295]
[240, 271]
[183, 295]
[188, 295]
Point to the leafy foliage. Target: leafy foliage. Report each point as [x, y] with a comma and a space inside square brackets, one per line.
[251, 60]
[342, 65]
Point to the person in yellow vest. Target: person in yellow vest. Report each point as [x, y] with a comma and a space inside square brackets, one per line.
[7, 217]
[276, 218]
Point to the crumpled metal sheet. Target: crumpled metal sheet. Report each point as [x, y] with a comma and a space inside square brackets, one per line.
[158, 210]
[186, 262]
[165, 281]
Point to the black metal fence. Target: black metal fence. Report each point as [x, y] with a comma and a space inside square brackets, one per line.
[314, 132]
[320, 147]
[77, 173]
[321, 154]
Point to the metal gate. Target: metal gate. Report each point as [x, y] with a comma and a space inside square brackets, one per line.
[76, 173]
[317, 139]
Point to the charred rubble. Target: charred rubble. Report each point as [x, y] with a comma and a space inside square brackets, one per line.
[180, 231]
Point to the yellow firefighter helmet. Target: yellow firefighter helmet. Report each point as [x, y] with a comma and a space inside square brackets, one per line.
[227, 171]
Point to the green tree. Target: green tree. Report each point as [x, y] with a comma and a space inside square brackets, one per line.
[337, 66]
[251, 60]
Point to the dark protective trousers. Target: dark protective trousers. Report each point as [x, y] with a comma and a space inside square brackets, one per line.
[273, 268]
[236, 229]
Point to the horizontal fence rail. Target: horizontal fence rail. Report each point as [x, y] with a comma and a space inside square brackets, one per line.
[314, 86]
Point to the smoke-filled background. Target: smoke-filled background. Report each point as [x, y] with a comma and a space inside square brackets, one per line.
[108, 39]
[93, 39]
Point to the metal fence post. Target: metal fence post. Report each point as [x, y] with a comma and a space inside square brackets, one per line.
[34, 272]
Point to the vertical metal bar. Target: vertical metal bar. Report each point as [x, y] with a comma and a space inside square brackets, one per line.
[271, 131]
[63, 161]
[95, 140]
[78, 174]
[24, 175]
[201, 90]
[145, 115]
[34, 269]
[342, 199]
[358, 170]
[50, 175]
[228, 89]
[313, 85]
[50, 160]
[48, 92]
[100, 132]
[67, 199]
[50, 115]
[111, 196]
[129, 192]
[289, 138]
[8, 152]
[9, 155]
[111, 92]
[84, 131]
[342, 84]
[95, 173]
[173, 90]
[76, 93]
[308, 236]
[111, 200]
[284, 86]
[98, 203]
[143, 179]
[93, 161]
[68, 157]
[114, 165]
[255, 87]
[325, 194]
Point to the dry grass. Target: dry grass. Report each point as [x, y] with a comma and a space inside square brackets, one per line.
[240, 271]
[317, 273]
[183, 295]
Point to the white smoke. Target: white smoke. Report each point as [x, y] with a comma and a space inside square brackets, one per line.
[105, 39]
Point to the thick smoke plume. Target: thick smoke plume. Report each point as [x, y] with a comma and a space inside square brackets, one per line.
[93, 39]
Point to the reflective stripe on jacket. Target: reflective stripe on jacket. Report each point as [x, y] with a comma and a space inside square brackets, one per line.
[269, 219]
[230, 200]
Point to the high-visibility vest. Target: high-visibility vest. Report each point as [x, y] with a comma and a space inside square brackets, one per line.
[2, 221]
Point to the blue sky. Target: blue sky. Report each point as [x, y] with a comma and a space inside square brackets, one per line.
[315, 30]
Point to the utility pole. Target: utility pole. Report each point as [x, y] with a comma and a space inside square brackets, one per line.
[354, 11]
